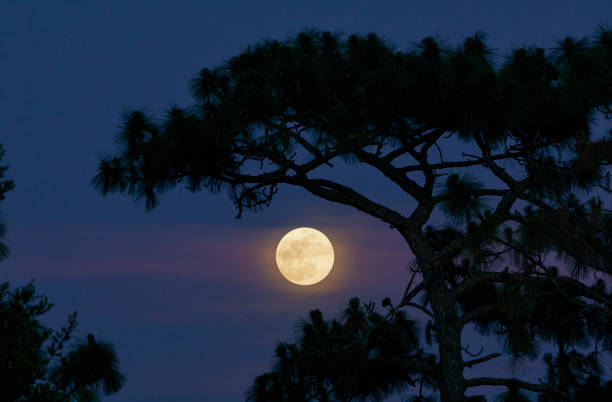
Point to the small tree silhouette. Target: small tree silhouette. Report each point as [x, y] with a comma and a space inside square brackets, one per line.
[364, 354]
[6, 185]
[33, 366]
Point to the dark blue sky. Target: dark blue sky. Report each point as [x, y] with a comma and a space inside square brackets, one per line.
[189, 295]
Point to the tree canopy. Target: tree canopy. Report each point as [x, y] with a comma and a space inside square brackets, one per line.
[526, 248]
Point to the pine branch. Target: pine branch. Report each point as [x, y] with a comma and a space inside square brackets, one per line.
[512, 382]
[339, 193]
[470, 363]
[394, 174]
[458, 164]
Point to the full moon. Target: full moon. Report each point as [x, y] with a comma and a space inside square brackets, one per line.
[304, 256]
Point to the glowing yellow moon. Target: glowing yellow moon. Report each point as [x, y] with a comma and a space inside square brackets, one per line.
[304, 256]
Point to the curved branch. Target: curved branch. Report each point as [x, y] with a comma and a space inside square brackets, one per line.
[339, 193]
[467, 351]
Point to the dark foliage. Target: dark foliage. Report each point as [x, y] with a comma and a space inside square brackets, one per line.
[362, 355]
[6, 185]
[34, 366]
[33, 362]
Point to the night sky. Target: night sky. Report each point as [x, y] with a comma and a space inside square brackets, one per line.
[190, 296]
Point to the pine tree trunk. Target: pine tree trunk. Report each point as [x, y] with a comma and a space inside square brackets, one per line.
[451, 370]
[448, 337]
[445, 318]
